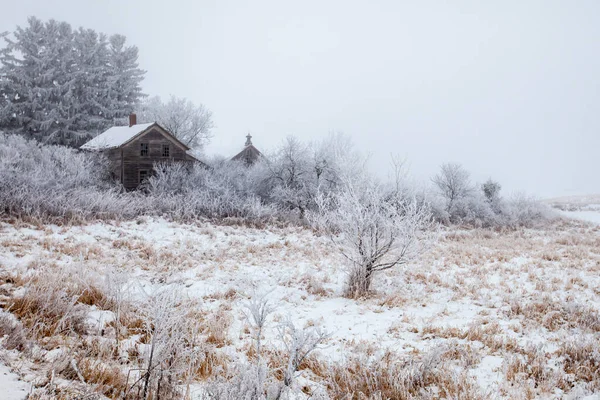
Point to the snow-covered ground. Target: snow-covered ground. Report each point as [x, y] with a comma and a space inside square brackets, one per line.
[584, 208]
[11, 388]
[510, 299]
[591, 216]
[576, 203]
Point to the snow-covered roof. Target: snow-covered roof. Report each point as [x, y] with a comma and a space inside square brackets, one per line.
[115, 137]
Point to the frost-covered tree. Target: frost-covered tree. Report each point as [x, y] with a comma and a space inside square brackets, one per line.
[64, 86]
[90, 103]
[124, 90]
[373, 230]
[39, 70]
[453, 184]
[297, 173]
[190, 123]
[289, 174]
[491, 191]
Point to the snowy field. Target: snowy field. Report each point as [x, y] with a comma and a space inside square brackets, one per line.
[591, 216]
[515, 312]
[576, 203]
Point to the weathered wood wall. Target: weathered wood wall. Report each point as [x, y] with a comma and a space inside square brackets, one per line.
[129, 161]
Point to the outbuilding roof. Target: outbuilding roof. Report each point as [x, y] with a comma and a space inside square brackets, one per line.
[250, 154]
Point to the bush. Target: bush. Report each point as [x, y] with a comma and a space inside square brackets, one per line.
[57, 183]
[54, 181]
[225, 191]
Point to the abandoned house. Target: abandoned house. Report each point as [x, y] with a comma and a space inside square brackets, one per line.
[250, 154]
[133, 150]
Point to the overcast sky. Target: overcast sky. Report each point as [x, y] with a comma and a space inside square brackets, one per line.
[510, 89]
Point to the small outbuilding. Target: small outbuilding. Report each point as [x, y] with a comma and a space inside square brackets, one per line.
[250, 154]
[133, 150]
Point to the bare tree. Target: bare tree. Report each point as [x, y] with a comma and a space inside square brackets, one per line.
[453, 183]
[191, 124]
[289, 175]
[374, 231]
[299, 172]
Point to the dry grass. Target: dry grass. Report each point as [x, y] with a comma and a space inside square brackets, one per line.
[211, 364]
[581, 360]
[48, 313]
[477, 293]
[108, 380]
[394, 377]
[217, 327]
[554, 315]
[13, 332]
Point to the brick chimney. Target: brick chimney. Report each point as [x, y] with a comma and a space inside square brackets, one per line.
[132, 120]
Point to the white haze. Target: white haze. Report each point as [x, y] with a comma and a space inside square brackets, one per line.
[510, 89]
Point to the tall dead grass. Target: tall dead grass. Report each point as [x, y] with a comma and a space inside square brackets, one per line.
[433, 375]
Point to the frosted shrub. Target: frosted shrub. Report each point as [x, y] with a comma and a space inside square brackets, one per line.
[40, 181]
[173, 344]
[475, 211]
[453, 184]
[373, 232]
[455, 200]
[224, 191]
[522, 210]
[296, 173]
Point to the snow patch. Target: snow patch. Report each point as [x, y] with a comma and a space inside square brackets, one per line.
[10, 385]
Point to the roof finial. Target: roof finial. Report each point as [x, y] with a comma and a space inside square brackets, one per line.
[248, 139]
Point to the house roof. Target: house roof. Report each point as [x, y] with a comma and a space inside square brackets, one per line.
[249, 154]
[115, 137]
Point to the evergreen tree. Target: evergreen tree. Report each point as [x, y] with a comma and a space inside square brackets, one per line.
[62, 86]
[125, 78]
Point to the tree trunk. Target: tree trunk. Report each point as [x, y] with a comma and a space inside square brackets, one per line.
[359, 281]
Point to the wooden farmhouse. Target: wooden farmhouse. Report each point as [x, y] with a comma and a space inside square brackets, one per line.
[249, 155]
[133, 150]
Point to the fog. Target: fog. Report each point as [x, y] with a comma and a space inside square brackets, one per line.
[510, 89]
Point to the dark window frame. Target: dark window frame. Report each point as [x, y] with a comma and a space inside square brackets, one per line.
[144, 172]
[166, 153]
[144, 149]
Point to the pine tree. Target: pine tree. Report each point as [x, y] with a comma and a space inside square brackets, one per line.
[62, 86]
[125, 78]
[92, 73]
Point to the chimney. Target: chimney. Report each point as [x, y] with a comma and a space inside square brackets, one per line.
[132, 120]
[248, 139]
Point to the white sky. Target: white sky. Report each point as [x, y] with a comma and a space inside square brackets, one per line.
[510, 89]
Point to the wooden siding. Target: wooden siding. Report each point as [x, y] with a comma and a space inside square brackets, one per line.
[114, 156]
[130, 162]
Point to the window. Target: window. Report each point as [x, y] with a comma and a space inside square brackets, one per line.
[166, 150]
[144, 149]
[143, 175]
